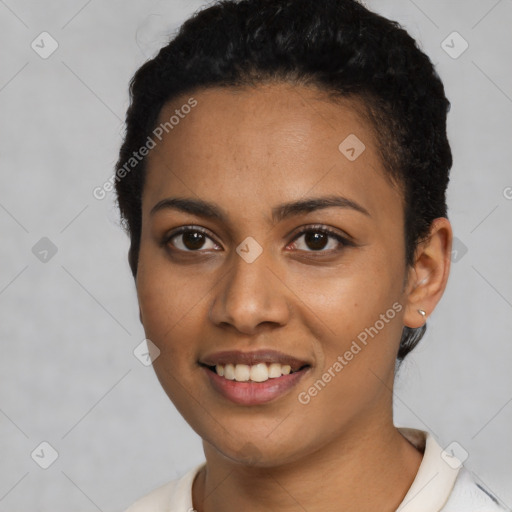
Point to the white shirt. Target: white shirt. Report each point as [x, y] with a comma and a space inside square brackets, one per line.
[442, 484]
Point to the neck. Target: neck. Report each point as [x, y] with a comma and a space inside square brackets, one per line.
[362, 470]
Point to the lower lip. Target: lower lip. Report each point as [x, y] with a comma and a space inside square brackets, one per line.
[254, 393]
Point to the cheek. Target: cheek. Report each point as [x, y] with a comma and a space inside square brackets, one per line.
[171, 316]
[349, 300]
[361, 312]
[168, 302]
[356, 354]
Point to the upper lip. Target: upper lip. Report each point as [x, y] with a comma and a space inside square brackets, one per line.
[252, 358]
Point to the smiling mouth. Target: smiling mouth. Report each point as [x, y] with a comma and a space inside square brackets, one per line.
[253, 378]
[260, 372]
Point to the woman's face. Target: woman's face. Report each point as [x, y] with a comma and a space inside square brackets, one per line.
[246, 286]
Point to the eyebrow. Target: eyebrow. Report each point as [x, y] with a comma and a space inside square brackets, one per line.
[206, 209]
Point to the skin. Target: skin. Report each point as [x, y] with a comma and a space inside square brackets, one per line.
[247, 150]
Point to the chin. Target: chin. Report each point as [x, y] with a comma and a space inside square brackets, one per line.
[256, 452]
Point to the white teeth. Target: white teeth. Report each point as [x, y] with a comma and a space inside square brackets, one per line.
[229, 371]
[242, 373]
[260, 372]
[274, 370]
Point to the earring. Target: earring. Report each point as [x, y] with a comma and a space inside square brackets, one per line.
[422, 312]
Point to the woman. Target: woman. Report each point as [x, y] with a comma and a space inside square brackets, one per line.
[283, 183]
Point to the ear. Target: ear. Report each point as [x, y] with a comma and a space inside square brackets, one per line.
[427, 278]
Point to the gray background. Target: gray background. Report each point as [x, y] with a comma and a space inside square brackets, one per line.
[69, 325]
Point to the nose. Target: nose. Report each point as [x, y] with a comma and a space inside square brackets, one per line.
[250, 297]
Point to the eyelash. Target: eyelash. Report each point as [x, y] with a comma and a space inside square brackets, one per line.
[318, 228]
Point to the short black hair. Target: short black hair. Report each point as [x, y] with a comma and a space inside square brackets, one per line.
[338, 46]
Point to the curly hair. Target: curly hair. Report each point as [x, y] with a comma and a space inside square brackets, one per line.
[337, 46]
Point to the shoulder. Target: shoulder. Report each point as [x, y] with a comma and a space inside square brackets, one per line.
[467, 496]
[174, 496]
[442, 483]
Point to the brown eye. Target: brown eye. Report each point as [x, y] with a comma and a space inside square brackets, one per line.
[319, 239]
[316, 241]
[191, 240]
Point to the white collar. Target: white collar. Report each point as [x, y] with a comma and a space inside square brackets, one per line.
[436, 475]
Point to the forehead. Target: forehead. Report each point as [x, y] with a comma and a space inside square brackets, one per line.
[261, 143]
